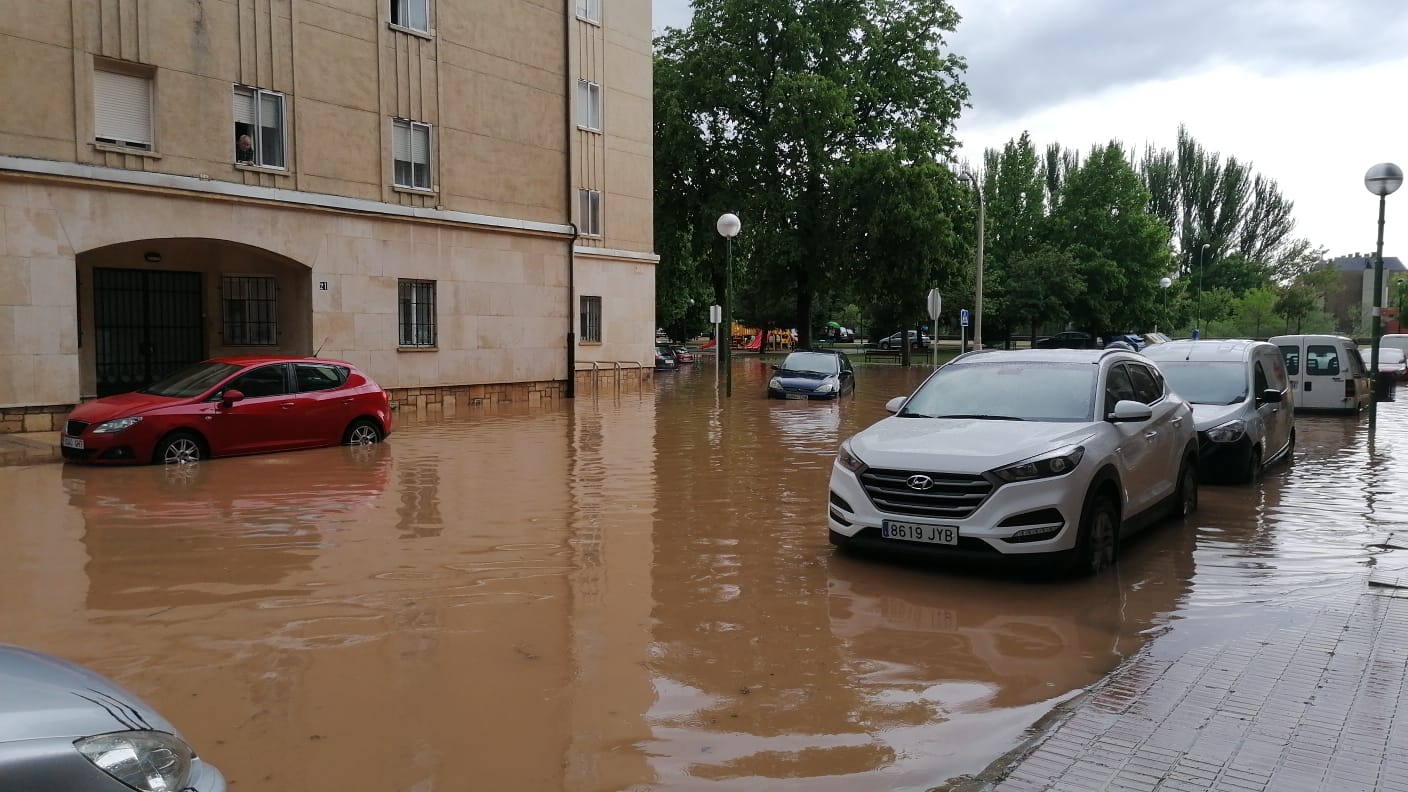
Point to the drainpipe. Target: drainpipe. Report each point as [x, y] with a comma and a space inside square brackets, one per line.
[569, 13]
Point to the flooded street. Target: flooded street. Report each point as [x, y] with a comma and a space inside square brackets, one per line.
[625, 593]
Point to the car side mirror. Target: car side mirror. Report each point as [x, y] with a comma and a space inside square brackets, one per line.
[776, 367]
[1129, 411]
[1271, 396]
[231, 396]
[894, 405]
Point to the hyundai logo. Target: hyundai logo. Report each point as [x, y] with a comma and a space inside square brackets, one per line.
[920, 482]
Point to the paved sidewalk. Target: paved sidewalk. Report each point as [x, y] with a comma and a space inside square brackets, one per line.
[29, 448]
[1311, 707]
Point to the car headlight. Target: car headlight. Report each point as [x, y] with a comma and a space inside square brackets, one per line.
[826, 387]
[148, 761]
[848, 460]
[775, 384]
[1055, 463]
[1229, 432]
[115, 426]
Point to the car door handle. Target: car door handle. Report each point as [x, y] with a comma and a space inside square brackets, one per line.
[1150, 435]
[286, 405]
[1177, 421]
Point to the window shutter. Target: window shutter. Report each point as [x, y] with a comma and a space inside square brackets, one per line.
[420, 145]
[122, 107]
[401, 141]
[244, 106]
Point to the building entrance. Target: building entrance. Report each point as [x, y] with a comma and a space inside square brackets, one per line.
[147, 324]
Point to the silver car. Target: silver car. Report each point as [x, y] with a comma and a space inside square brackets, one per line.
[63, 727]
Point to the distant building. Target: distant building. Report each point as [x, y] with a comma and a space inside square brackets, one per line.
[1353, 303]
[454, 195]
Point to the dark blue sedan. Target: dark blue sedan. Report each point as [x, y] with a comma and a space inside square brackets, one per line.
[812, 374]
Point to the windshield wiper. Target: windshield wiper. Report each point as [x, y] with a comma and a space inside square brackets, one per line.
[981, 417]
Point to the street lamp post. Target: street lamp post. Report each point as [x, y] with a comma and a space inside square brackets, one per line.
[1381, 180]
[728, 225]
[982, 226]
[1164, 283]
[1198, 319]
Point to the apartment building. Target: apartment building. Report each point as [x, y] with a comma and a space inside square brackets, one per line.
[455, 195]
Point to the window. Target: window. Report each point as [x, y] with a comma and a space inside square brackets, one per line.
[1321, 360]
[1146, 388]
[259, 127]
[1118, 388]
[1292, 356]
[410, 150]
[122, 109]
[589, 212]
[590, 10]
[589, 105]
[318, 376]
[417, 298]
[411, 14]
[250, 310]
[591, 318]
[261, 382]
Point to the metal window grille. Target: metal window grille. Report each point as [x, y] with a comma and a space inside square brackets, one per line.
[250, 305]
[591, 318]
[260, 114]
[417, 299]
[410, 154]
[413, 14]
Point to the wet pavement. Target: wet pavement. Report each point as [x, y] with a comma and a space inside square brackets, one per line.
[636, 592]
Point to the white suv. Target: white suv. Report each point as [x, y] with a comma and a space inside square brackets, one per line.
[1020, 453]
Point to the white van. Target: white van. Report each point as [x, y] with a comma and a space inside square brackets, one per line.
[1397, 341]
[1326, 372]
[1243, 406]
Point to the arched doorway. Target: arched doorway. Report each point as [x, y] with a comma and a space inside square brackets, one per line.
[150, 307]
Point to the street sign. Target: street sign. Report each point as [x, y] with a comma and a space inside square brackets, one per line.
[716, 314]
[936, 303]
[963, 317]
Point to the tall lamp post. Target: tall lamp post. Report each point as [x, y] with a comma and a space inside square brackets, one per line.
[728, 225]
[1164, 283]
[1381, 180]
[1198, 319]
[978, 302]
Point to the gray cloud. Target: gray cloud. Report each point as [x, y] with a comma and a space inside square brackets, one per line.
[1027, 55]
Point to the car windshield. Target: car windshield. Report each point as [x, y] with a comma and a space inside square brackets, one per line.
[1007, 391]
[191, 381]
[1206, 383]
[812, 361]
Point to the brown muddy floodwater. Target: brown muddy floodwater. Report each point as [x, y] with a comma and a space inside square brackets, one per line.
[630, 592]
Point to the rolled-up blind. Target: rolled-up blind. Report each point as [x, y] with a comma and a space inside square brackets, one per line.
[244, 106]
[420, 144]
[122, 107]
[401, 141]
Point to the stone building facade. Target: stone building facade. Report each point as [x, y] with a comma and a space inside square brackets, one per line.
[453, 195]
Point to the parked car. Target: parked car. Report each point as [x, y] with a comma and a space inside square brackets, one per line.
[1070, 339]
[665, 358]
[892, 341]
[1034, 454]
[1392, 362]
[1326, 372]
[64, 727]
[682, 354]
[812, 374]
[230, 406]
[1243, 406]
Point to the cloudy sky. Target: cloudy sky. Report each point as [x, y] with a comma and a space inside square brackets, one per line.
[1310, 92]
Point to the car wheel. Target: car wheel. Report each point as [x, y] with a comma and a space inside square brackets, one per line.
[1291, 448]
[1252, 471]
[1099, 537]
[1187, 502]
[178, 448]
[362, 432]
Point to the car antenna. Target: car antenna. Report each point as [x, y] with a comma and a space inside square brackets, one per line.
[320, 347]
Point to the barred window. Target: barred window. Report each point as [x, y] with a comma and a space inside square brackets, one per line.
[591, 318]
[250, 305]
[417, 298]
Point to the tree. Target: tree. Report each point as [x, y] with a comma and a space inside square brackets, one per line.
[1040, 288]
[767, 101]
[1255, 310]
[1303, 298]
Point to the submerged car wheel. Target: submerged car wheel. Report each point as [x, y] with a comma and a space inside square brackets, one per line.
[1252, 471]
[1187, 490]
[179, 448]
[1099, 537]
[362, 432]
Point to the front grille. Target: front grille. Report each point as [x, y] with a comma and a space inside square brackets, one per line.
[75, 428]
[953, 496]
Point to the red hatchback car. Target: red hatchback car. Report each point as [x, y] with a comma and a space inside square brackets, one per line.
[231, 406]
